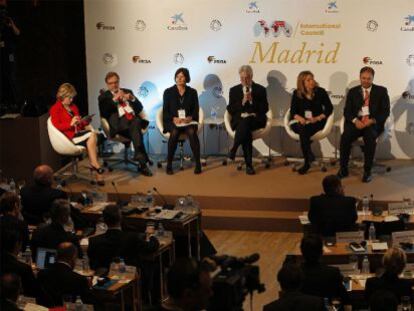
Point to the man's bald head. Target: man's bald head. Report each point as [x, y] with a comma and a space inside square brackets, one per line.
[43, 175]
[67, 252]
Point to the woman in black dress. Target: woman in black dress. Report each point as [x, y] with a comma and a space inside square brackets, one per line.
[310, 107]
[180, 115]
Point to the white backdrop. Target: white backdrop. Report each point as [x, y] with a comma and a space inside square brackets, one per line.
[145, 41]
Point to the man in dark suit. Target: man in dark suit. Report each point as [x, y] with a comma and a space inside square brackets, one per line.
[51, 235]
[320, 280]
[60, 280]
[248, 107]
[367, 108]
[122, 110]
[37, 199]
[290, 278]
[10, 289]
[332, 211]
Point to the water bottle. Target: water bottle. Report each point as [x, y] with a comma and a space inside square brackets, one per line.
[161, 230]
[365, 205]
[27, 255]
[371, 232]
[121, 266]
[149, 199]
[365, 265]
[12, 186]
[78, 304]
[85, 263]
[69, 226]
[327, 304]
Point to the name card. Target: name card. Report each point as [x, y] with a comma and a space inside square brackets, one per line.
[400, 208]
[402, 237]
[348, 237]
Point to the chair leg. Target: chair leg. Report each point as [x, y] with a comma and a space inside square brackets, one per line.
[181, 146]
[73, 169]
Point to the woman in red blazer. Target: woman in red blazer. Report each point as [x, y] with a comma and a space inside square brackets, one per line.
[65, 117]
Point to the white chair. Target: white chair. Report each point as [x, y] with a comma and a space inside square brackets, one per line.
[316, 137]
[64, 146]
[123, 140]
[160, 125]
[257, 134]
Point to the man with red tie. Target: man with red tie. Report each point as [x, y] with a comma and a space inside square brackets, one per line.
[367, 108]
[122, 110]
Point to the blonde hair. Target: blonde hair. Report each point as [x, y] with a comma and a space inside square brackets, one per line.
[66, 90]
[300, 83]
[394, 260]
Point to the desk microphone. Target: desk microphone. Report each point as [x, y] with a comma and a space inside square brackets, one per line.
[119, 201]
[165, 205]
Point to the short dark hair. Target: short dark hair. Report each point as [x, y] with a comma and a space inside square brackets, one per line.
[185, 72]
[290, 276]
[183, 274]
[10, 286]
[112, 215]
[367, 69]
[331, 184]
[383, 300]
[8, 202]
[60, 209]
[110, 75]
[311, 247]
[66, 251]
[10, 238]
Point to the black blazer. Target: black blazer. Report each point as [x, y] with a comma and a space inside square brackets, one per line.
[7, 305]
[259, 104]
[319, 104]
[10, 222]
[379, 105]
[130, 246]
[60, 280]
[171, 105]
[329, 214]
[37, 201]
[400, 287]
[296, 301]
[323, 281]
[107, 106]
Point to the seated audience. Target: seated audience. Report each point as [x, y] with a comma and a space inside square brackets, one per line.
[10, 288]
[383, 300]
[291, 298]
[332, 211]
[394, 261]
[319, 279]
[37, 198]
[59, 280]
[11, 217]
[51, 235]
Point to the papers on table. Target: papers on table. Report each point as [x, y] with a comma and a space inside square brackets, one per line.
[304, 220]
[348, 237]
[390, 218]
[379, 246]
[98, 206]
[398, 208]
[167, 214]
[402, 237]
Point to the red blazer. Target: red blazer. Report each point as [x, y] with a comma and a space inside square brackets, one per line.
[61, 119]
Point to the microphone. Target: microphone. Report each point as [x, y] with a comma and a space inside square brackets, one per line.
[165, 205]
[119, 201]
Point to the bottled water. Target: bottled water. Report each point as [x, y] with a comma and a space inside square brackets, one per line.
[27, 255]
[327, 304]
[85, 263]
[12, 185]
[365, 205]
[78, 304]
[365, 265]
[121, 266]
[161, 230]
[372, 232]
[149, 199]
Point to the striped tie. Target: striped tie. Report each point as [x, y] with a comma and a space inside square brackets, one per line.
[366, 104]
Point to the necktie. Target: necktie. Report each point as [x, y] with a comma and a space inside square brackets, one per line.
[366, 104]
[128, 115]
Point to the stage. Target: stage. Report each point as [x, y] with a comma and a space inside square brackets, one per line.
[271, 200]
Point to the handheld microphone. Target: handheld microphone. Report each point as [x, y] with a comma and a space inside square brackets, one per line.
[119, 201]
[165, 205]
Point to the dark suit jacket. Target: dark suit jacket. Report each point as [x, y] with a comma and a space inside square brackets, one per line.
[37, 201]
[60, 280]
[319, 104]
[116, 243]
[296, 301]
[323, 281]
[50, 236]
[9, 222]
[259, 104]
[400, 287]
[329, 214]
[379, 105]
[7, 305]
[171, 105]
[10, 264]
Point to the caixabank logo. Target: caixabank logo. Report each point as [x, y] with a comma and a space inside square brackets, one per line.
[410, 60]
[332, 7]
[102, 26]
[369, 61]
[143, 91]
[140, 25]
[372, 25]
[275, 28]
[253, 7]
[408, 23]
[109, 59]
[214, 60]
[177, 22]
[140, 60]
[178, 58]
[215, 25]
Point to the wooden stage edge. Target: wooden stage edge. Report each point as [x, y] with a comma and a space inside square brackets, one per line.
[271, 200]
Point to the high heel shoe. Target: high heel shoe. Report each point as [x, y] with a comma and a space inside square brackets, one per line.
[99, 171]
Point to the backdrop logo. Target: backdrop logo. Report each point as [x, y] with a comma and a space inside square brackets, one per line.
[178, 58]
[143, 91]
[217, 91]
[215, 25]
[102, 26]
[372, 25]
[332, 7]
[317, 29]
[277, 28]
[336, 96]
[140, 25]
[252, 7]
[408, 24]
[109, 59]
[177, 22]
[138, 59]
[369, 61]
[213, 60]
[410, 60]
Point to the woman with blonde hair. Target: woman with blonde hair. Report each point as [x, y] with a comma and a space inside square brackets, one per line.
[310, 107]
[65, 117]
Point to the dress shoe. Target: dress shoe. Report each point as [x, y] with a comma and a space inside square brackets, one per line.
[304, 169]
[197, 169]
[232, 155]
[367, 177]
[140, 157]
[145, 170]
[169, 170]
[342, 173]
[250, 170]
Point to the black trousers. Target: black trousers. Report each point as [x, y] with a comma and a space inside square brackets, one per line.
[244, 137]
[191, 132]
[130, 129]
[305, 133]
[350, 134]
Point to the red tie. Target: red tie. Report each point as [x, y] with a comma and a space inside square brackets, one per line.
[366, 104]
[128, 115]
